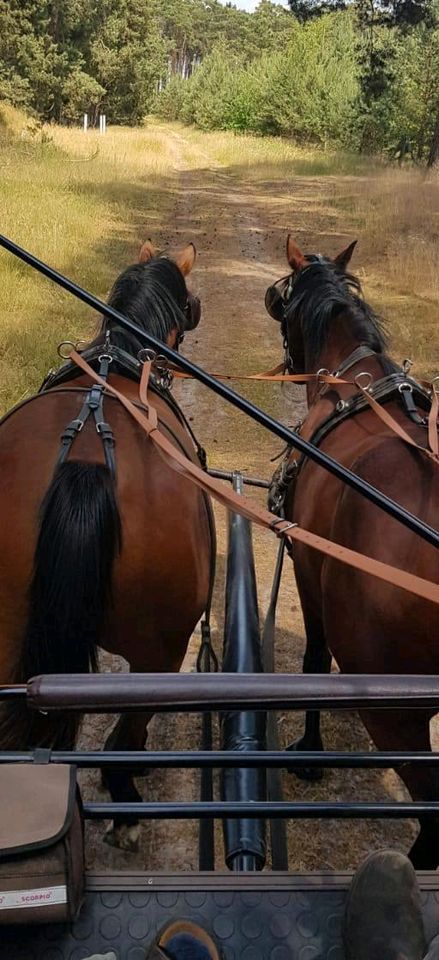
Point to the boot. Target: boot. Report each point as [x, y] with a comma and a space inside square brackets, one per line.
[102, 956]
[383, 918]
[183, 940]
[433, 950]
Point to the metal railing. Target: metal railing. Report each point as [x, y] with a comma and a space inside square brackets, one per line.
[118, 692]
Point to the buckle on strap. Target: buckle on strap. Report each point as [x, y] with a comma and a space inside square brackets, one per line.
[105, 432]
[274, 525]
[72, 430]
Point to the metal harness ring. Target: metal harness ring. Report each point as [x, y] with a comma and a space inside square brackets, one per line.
[146, 355]
[357, 380]
[65, 343]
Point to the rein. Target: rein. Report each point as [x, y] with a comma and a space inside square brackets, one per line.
[147, 420]
[324, 378]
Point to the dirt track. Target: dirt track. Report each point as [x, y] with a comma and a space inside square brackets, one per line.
[239, 229]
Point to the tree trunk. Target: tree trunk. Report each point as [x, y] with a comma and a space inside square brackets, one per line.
[433, 158]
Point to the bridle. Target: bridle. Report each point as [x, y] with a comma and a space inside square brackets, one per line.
[277, 299]
[191, 310]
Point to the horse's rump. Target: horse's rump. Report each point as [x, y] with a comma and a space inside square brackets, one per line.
[166, 542]
[365, 617]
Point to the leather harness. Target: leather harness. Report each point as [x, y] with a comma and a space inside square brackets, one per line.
[410, 394]
[101, 357]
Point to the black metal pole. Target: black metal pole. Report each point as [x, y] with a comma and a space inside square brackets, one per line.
[244, 840]
[312, 810]
[380, 500]
[193, 760]
[278, 828]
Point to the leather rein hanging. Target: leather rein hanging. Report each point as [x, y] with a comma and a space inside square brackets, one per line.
[148, 421]
[366, 390]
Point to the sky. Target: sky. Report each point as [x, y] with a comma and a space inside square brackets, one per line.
[252, 4]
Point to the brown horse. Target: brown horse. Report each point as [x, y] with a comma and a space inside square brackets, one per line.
[367, 625]
[101, 544]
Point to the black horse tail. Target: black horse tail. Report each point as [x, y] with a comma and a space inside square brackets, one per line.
[71, 588]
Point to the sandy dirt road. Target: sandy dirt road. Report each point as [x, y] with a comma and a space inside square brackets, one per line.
[239, 227]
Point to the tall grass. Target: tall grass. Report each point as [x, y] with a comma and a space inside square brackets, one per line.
[83, 204]
[393, 212]
[256, 156]
[396, 214]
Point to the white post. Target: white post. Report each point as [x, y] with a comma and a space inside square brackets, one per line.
[85, 122]
[100, 123]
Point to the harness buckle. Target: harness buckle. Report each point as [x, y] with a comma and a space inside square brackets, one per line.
[104, 430]
[71, 431]
[274, 524]
[405, 388]
[76, 425]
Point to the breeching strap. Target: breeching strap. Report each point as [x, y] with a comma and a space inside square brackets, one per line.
[147, 419]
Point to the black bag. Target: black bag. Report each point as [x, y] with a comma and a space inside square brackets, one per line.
[41, 843]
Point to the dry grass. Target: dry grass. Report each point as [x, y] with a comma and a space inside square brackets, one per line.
[80, 210]
[396, 216]
[269, 156]
[83, 203]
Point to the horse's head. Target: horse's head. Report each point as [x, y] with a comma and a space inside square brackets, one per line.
[154, 294]
[296, 297]
[184, 260]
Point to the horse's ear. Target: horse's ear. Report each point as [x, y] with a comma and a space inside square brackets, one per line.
[295, 257]
[186, 258]
[147, 252]
[343, 258]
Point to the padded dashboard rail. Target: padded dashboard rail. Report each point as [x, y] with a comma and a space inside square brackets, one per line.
[193, 693]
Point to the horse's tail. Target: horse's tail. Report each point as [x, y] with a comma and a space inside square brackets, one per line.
[71, 587]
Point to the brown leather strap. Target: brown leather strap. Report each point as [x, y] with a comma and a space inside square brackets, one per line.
[276, 375]
[143, 393]
[390, 422]
[244, 506]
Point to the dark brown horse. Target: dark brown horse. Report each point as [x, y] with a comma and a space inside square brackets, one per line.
[100, 546]
[367, 625]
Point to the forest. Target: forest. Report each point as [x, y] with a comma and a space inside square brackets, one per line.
[362, 75]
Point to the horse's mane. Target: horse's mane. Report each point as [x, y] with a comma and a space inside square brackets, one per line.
[153, 295]
[320, 293]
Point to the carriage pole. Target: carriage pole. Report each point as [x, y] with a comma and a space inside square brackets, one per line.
[244, 839]
[319, 456]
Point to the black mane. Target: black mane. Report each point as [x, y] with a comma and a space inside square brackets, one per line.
[320, 293]
[153, 295]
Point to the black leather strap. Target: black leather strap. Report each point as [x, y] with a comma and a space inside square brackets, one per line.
[127, 366]
[93, 404]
